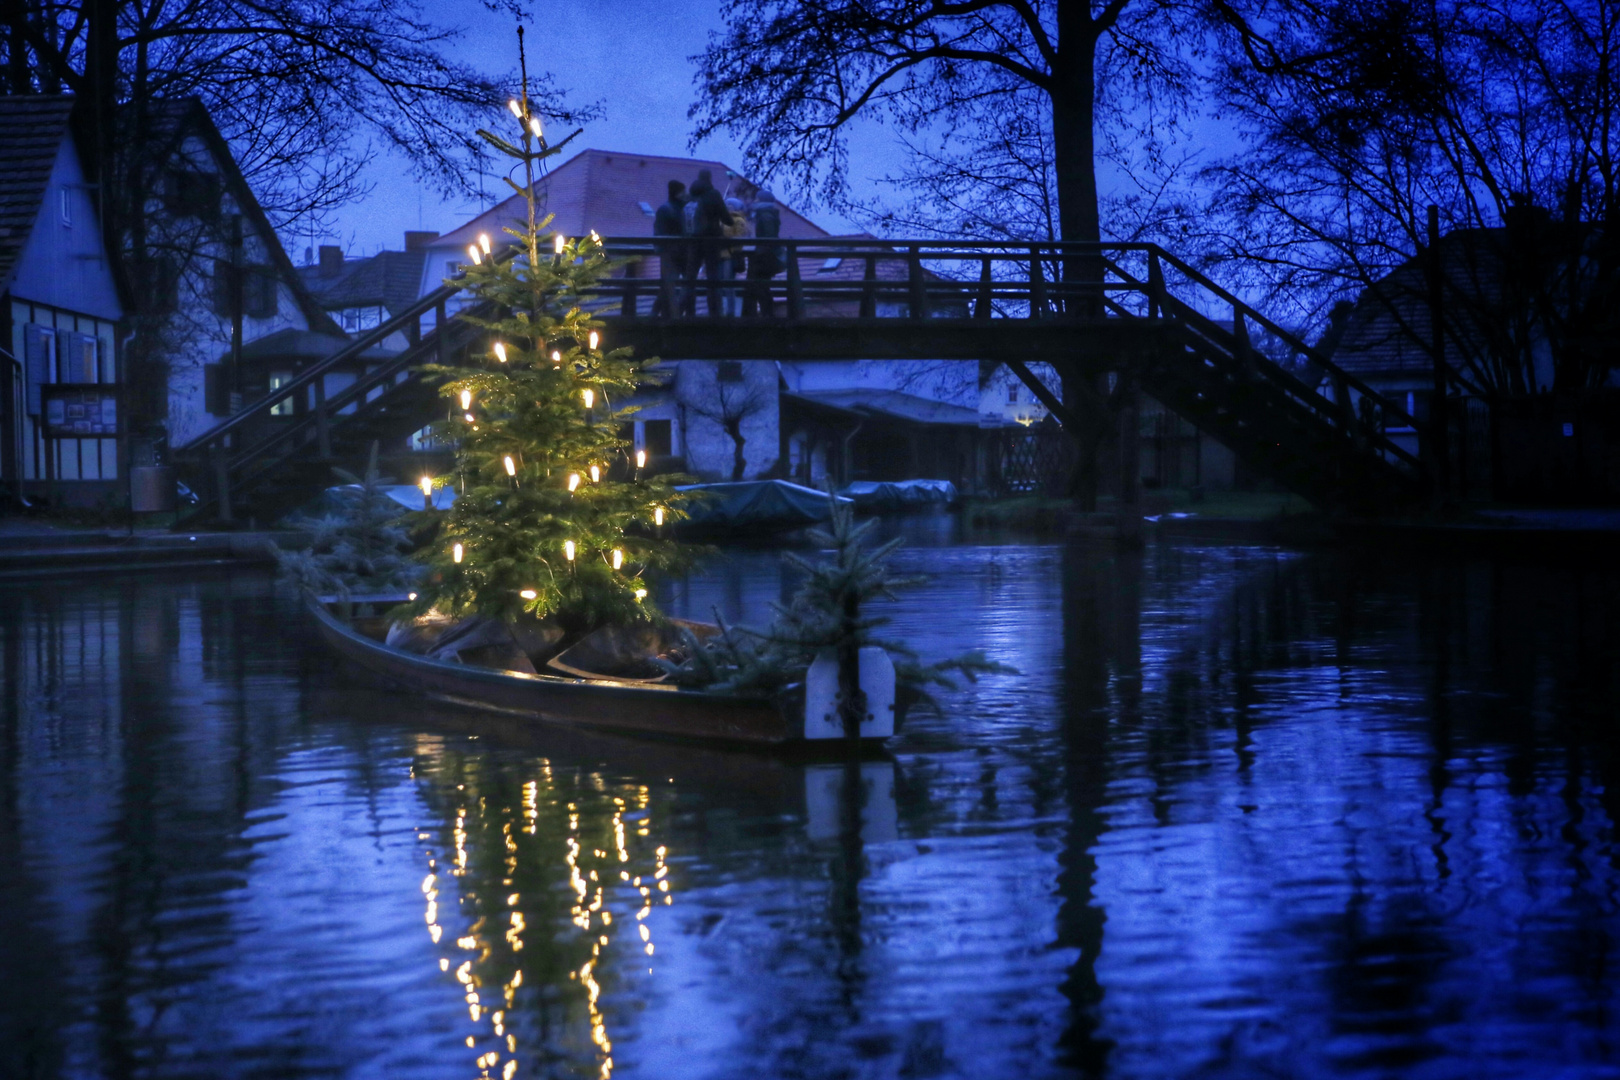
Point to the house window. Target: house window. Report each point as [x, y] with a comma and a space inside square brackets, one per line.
[656, 438]
[1012, 394]
[646, 208]
[66, 196]
[729, 371]
[284, 407]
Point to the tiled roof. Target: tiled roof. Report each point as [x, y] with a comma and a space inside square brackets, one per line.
[604, 189]
[389, 279]
[1389, 329]
[32, 127]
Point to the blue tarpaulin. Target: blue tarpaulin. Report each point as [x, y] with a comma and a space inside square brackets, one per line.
[900, 494]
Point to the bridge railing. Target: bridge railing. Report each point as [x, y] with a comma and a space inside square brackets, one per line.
[848, 278]
[867, 278]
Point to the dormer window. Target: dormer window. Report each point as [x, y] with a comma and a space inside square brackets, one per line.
[646, 208]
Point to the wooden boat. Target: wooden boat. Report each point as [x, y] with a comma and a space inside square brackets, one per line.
[645, 709]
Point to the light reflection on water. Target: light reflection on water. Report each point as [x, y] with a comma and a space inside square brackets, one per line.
[1246, 812]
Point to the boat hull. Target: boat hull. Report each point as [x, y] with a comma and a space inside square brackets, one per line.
[641, 709]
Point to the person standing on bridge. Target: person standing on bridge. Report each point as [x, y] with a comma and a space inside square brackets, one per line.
[766, 261]
[732, 255]
[705, 216]
[672, 257]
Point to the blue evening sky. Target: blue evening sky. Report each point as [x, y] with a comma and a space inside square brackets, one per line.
[631, 56]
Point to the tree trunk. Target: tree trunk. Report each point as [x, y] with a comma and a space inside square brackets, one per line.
[1074, 143]
[739, 462]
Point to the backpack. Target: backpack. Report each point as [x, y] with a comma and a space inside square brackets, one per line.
[767, 221]
[768, 226]
[691, 224]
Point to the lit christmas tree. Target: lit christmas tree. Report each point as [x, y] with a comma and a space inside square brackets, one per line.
[553, 516]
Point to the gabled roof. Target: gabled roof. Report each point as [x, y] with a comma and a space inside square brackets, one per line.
[172, 120]
[1390, 330]
[604, 189]
[388, 279]
[32, 127]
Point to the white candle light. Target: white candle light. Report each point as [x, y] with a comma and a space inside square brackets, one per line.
[500, 352]
[618, 558]
[596, 475]
[466, 400]
[573, 481]
[568, 549]
[511, 466]
[589, 395]
[455, 553]
[528, 594]
[472, 253]
[641, 459]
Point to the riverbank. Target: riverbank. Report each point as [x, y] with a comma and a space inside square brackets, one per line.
[31, 548]
[1283, 519]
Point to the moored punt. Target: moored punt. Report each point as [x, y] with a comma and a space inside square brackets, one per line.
[655, 710]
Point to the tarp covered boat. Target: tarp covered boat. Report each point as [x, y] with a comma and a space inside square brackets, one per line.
[876, 495]
[756, 504]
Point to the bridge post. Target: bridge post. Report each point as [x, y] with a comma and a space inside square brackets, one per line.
[1128, 521]
[323, 431]
[1155, 296]
[869, 289]
[222, 480]
[632, 286]
[1245, 352]
[795, 285]
[1037, 283]
[919, 284]
[981, 308]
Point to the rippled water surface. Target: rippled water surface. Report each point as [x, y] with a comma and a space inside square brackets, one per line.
[1245, 813]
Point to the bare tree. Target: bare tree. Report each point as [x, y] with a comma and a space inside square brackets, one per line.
[788, 77]
[307, 92]
[1505, 114]
[726, 402]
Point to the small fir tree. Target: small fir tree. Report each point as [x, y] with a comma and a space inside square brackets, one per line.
[358, 548]
[552, 518]
[828, 612]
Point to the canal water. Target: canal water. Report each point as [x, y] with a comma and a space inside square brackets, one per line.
[1245, 812]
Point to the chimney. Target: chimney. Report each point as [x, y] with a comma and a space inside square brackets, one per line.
[331, 260]
[419, 241]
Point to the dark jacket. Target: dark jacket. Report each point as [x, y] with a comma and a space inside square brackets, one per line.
[712, 214]
[667, 218]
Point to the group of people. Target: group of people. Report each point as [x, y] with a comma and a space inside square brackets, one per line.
[719, 226]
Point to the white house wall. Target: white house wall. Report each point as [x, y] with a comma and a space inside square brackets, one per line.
[63, 282]
[954, 382]
[200, 337]
[708, 449]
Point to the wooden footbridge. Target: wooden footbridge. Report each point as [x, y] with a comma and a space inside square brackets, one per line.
[1133, 310]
